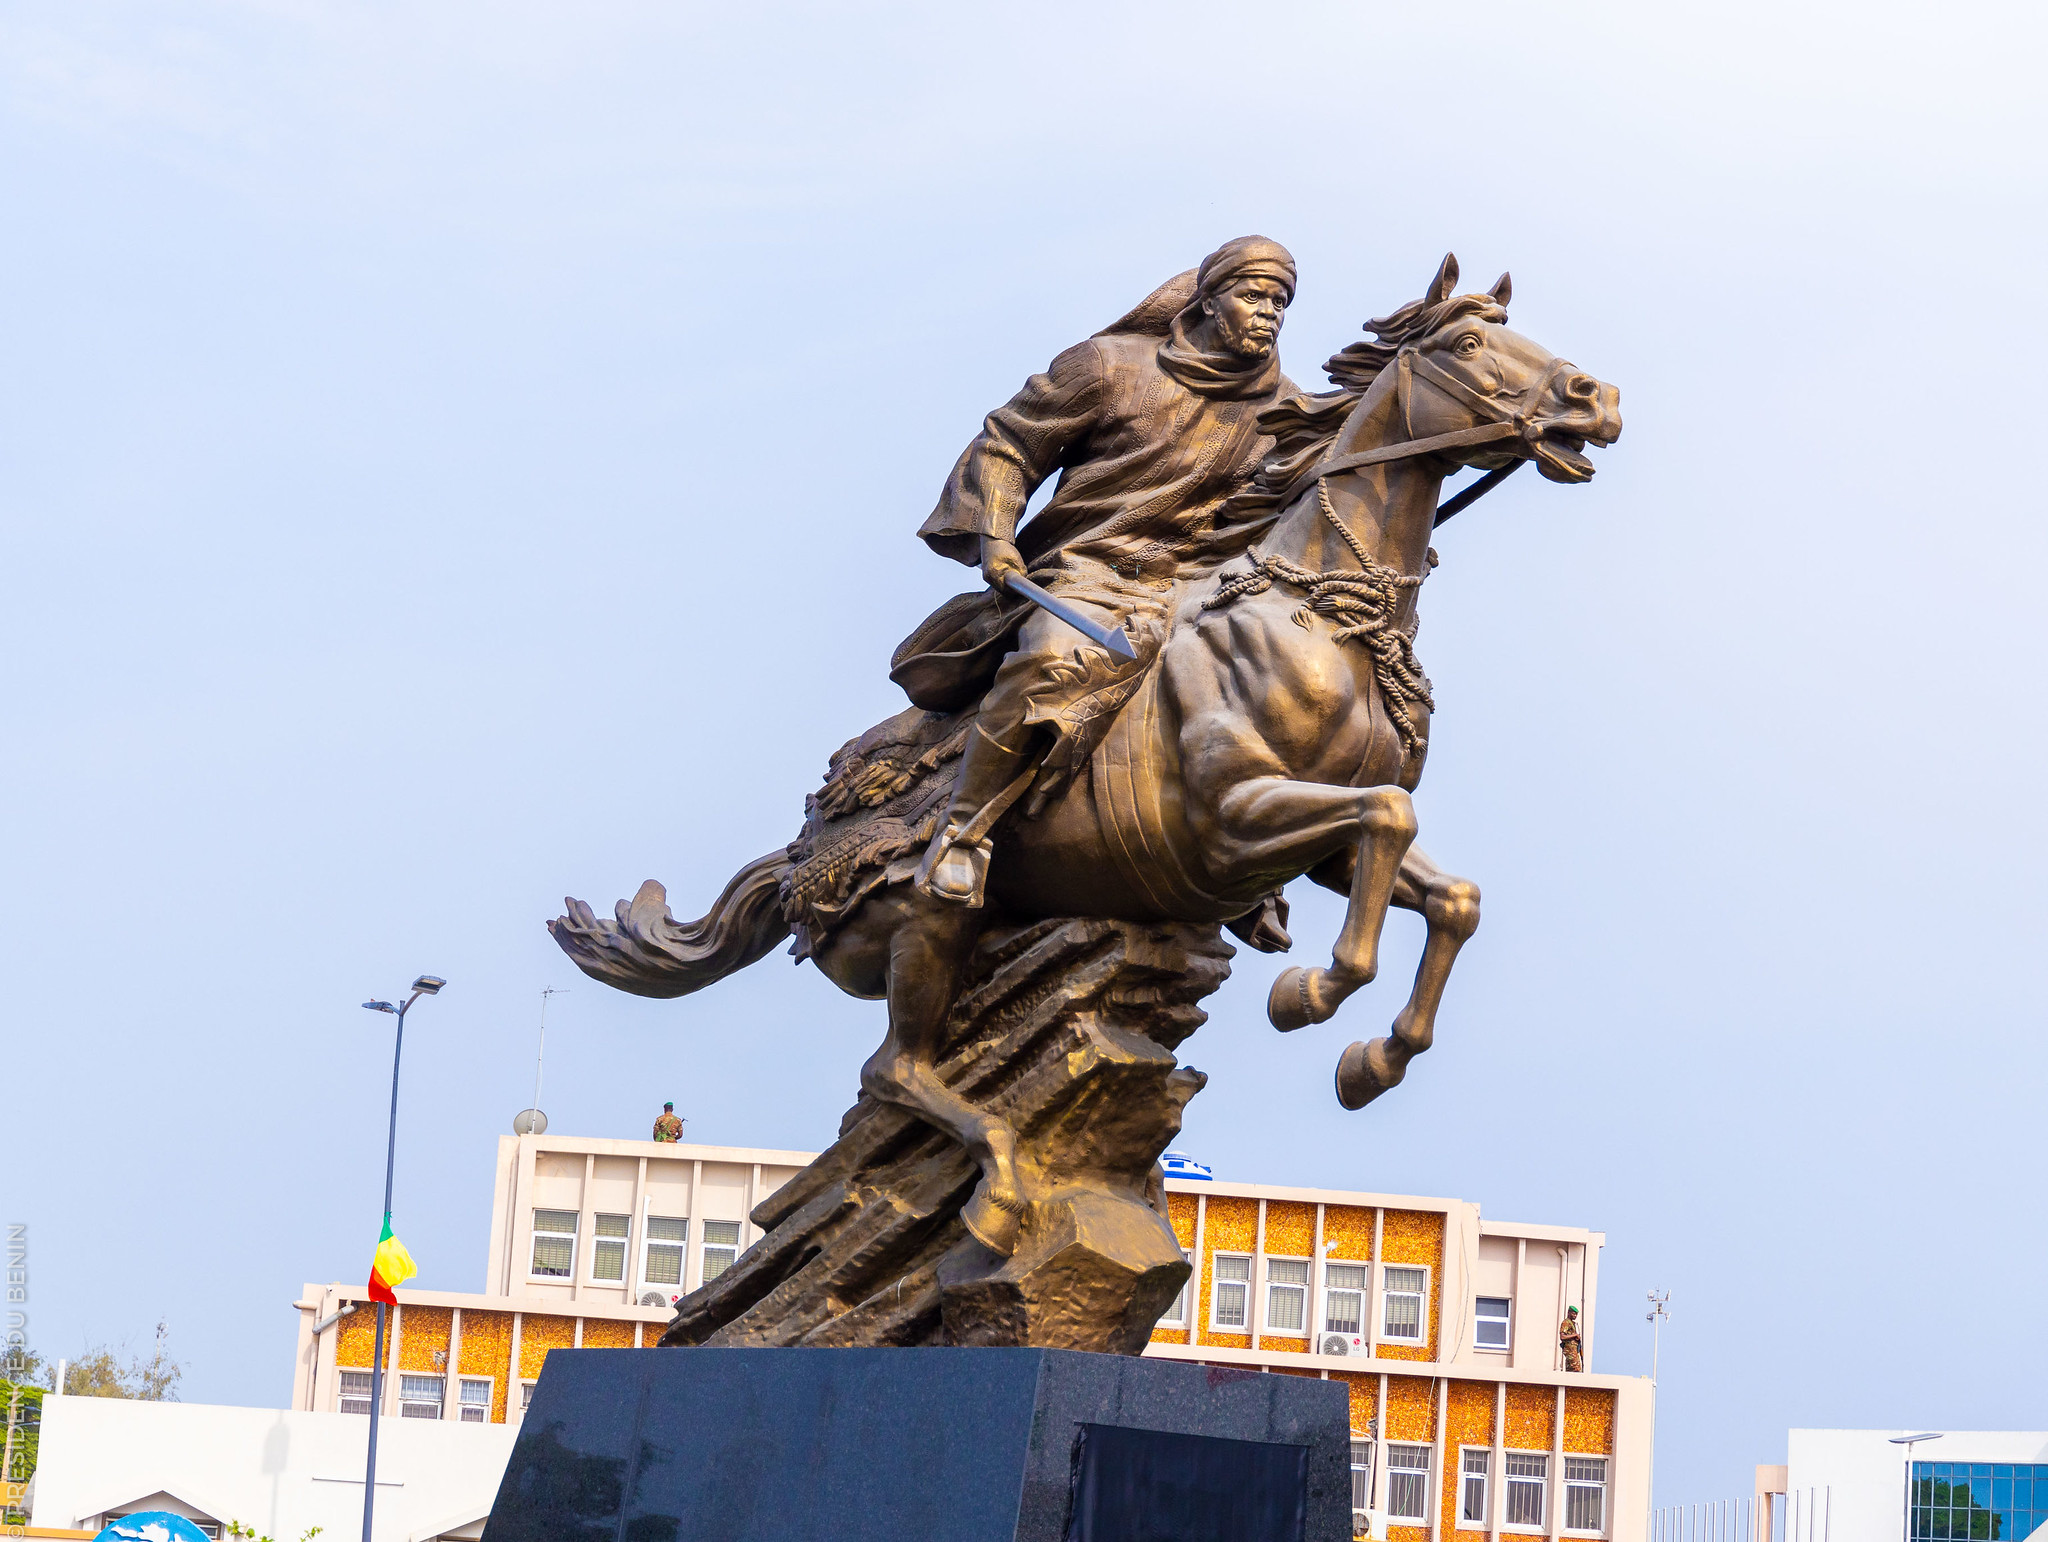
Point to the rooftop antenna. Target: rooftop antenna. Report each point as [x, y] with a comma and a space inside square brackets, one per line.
[532, 1121]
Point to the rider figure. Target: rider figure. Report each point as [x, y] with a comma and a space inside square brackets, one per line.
[1151, 426]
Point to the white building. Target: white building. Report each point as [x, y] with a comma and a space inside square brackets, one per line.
[1917, 1485]
[277, 1471]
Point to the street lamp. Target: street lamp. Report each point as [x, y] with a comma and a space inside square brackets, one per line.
[1909, 1442]
[425, 985]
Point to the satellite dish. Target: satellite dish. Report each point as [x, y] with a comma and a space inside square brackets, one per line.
[530, 1121]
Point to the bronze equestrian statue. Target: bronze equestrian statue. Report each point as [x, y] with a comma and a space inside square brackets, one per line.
[1263, 550]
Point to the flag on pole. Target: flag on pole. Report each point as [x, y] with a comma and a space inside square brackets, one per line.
[390, 1268]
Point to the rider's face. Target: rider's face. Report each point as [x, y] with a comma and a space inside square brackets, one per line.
[1247, 315]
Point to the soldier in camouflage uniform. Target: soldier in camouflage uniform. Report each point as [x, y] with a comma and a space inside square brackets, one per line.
[668, 1127]
[1570, 1341]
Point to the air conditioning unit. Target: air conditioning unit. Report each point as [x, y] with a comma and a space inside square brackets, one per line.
[1336, 1344]
[653, 1298]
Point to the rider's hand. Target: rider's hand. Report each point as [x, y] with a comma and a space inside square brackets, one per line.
[998, 558]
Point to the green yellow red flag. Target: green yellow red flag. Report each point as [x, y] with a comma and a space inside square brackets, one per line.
[391, 1267]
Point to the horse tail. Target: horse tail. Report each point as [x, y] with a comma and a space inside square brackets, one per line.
[648, 952]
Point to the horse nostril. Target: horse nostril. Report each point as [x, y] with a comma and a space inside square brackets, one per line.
[1582, 387]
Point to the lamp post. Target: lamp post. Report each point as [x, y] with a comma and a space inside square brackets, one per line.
[425, 985]
[1655, 1317]
[1909, 1442]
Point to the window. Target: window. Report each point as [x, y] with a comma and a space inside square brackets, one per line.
[554, 1243]
[1402, 1291]
[419, 1397]
[1408, 1482]
[1477, 1466]
[721, 1247]
[1490, 1322]
[1528, 1473]
[1361, 1475]
[356, 1391]
[474, 1406]
[1585, 1493]
[608, 1252]
[1344, 1299]
[1287, 1295]
[1233, 1290]
[665, 1238]
[1176, 1316]
[1978, 1499]
[525, 1396]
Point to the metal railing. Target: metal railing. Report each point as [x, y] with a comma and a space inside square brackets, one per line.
[1803, 1515]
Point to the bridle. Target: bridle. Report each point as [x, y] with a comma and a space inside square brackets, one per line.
[1508, 418]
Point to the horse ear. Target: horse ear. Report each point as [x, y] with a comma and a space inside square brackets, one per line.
[1502, 290]
[1445, 284]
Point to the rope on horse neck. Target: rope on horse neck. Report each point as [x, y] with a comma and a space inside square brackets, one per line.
[1362, 604]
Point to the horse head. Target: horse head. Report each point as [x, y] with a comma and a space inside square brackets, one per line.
[1459, 369]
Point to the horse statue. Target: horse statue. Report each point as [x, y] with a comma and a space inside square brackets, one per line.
[1276, 732]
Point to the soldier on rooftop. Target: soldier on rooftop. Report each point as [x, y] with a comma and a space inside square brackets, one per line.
[668, 1127]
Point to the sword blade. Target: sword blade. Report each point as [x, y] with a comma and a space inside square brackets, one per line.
[1112, 638]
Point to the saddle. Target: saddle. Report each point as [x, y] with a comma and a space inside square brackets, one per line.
[885, 791]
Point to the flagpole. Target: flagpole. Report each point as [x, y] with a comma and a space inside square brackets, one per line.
[425, 985]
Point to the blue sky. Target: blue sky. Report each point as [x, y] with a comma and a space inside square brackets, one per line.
[458, 455]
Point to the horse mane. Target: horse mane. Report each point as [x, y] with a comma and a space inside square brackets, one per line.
[1304, 426]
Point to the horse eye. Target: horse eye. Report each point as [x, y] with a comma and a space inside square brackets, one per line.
[1469, 343]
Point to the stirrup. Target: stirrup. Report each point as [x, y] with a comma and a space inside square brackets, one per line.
[955, 870]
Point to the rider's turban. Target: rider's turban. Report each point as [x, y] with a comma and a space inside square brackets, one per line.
[1181, 295]
[1246, 257]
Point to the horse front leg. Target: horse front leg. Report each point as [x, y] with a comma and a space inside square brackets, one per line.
[1450, 905]
[1270, 820]
[927, 946]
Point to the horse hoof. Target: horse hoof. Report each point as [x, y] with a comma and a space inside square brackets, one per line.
[1288, 1006]
[1357, 1082]
[993, 1223]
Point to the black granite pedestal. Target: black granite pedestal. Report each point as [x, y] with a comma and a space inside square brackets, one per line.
[922, 1445]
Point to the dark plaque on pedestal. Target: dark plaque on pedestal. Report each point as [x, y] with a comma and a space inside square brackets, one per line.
[923, 1445]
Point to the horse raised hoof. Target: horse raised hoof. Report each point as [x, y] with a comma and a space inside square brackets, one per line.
[993, 1222]
[1296, 999]
[1363, 1074]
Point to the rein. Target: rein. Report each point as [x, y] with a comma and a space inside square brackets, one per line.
[1506, 423]
[1363, 603]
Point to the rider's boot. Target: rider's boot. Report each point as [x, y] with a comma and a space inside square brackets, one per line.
[955, 865]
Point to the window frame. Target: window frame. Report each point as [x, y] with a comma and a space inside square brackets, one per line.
[1305, 1286]
[535, 1233]
[343, 1396]
[488, 1405]
[706, 1247]
[1216, 1284]
[1176, 1314]
[598, 1240]
[526, 1386]
[1484, 1520]
[649, 1242]
[1370, 1446]
[1541, 1525]
[1363, 1291]
[1421, 1313]
[1507, 1322]
[438, 1402]
[1565, 1528]
[1424, 1472]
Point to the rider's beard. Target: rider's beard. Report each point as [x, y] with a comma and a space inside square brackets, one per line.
[1234, 369]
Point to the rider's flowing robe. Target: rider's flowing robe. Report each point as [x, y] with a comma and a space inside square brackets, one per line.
[1149, 437]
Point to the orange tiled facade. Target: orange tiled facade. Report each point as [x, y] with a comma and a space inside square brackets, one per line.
[1440, 1326]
